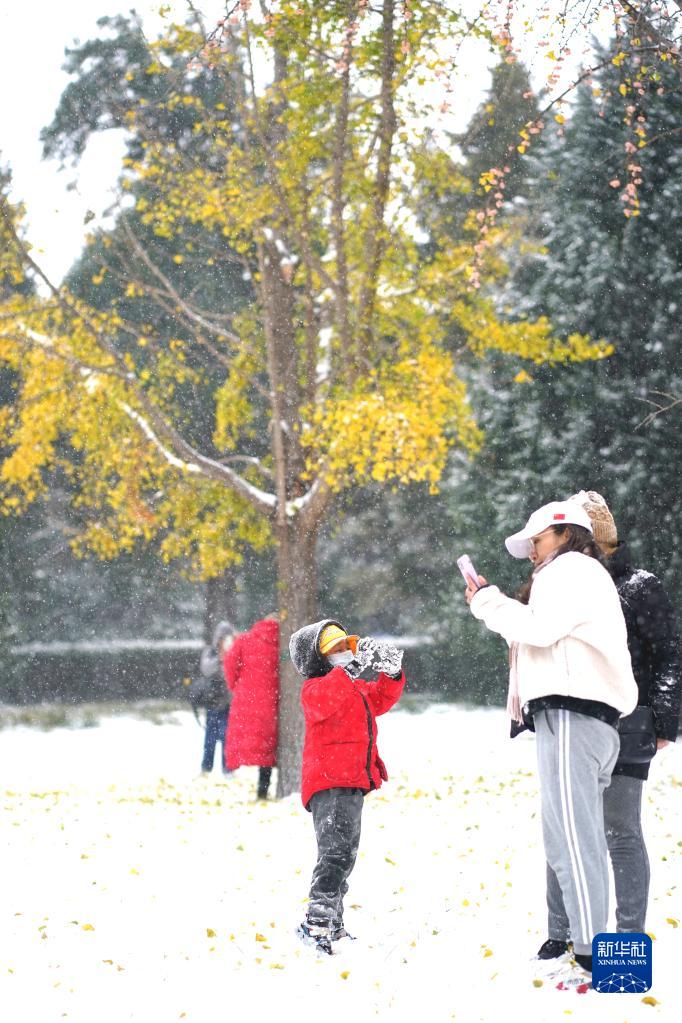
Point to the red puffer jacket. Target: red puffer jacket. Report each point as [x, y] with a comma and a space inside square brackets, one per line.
[251, 668]
[340, 747]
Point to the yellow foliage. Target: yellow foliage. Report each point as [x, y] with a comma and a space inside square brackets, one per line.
[375, 398]
[397, 427]
[531, 340]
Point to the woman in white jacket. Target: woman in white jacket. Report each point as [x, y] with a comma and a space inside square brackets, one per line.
[570, 679]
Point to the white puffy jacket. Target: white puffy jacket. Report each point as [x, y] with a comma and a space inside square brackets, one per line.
[571, 635]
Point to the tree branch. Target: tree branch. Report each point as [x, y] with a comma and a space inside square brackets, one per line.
[300, 237]
[638, 15]
[375, 240]
[338, 201]
[155, 420]
[659, 407]
[172, 292]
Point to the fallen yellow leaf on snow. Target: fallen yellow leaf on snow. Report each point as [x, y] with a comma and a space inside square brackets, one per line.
[672, 921]
[345, 974]
[538, 983]
[88, 927]
[210, 933]
[650, 1000]
[261, 937]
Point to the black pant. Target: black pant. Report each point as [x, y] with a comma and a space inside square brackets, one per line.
[264, 775]
[337, 815]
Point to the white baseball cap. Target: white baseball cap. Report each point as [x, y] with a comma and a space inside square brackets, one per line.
[556, 513]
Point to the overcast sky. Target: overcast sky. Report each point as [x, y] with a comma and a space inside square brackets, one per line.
[33, 36]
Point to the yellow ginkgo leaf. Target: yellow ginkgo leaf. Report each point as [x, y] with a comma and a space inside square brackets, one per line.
[672, 921]
[210, 933]
[261, 937]
[345, 974]
[87, 927]
[538, 983]
[650, 1000]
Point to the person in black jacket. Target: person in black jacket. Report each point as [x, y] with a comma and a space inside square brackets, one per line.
[656, 655]
[216, 695]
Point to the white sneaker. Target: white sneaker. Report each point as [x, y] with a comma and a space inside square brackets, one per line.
[572, 977]
[546, 969]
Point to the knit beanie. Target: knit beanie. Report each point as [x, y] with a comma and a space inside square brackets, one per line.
[603, 525]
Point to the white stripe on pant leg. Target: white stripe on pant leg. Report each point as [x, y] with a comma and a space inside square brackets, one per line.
[565, 819]
[569, 829]
[581, 866]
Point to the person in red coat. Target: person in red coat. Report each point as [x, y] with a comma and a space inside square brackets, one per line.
[251, 667]
[341, 762]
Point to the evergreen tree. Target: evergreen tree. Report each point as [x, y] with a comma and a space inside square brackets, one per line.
[619, 277]
[551, 431]
[492, 136]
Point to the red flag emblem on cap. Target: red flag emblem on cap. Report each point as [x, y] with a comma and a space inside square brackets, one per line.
[559, 515]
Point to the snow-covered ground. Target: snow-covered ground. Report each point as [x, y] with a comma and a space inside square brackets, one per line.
[133, 890]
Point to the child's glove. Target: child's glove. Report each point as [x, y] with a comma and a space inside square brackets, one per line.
[372, 655]
[354, 668]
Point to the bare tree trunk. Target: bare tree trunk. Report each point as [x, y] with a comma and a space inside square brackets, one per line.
[219, 602]
[297, 583]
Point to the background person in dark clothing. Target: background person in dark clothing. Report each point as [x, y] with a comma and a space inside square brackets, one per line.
[216, 697]
[656, 654]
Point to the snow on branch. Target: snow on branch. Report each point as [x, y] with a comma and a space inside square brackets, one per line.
[172, 459]
[203, 465]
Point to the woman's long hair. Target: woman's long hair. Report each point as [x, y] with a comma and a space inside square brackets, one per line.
[579, 539]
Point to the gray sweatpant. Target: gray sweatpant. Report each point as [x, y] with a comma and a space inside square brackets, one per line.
[576, 755]
[337, 816]
[625, 841]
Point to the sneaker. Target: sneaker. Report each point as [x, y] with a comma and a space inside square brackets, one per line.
[552, 949]
[319, 937]
[340, 932]
[572, 977]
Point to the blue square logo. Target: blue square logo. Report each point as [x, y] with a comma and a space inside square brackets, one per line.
[621, 963]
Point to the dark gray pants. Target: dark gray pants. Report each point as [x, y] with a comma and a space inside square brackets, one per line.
[576, 755]
[625, 841]
[337, 814]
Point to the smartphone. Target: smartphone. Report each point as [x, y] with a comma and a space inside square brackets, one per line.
[466, 567]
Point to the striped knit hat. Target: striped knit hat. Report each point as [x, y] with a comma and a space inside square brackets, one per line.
[603, 525]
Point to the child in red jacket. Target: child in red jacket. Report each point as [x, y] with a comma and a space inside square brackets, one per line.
[341, 762]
